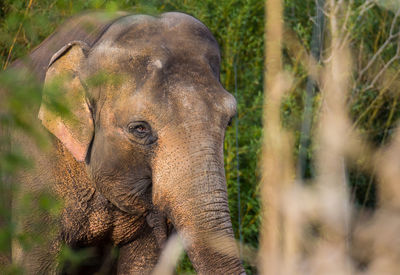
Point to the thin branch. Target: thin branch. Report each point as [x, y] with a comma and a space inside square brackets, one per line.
[392, 36]
[366, 6]
[16, 35]
[387, 65]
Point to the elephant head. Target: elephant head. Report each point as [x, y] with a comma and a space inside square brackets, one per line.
[152, 133]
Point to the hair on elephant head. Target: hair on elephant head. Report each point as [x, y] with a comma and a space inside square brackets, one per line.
[147, 116]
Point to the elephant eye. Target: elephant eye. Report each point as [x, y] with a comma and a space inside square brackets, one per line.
[139, 129]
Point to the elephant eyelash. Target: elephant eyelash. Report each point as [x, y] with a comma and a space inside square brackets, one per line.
[139, 129]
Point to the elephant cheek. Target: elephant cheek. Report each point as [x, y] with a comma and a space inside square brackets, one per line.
[118, 176]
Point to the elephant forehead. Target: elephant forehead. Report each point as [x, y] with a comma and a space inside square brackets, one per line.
[159, 71]
[171, 63]
[140, 44]
[159, 48]
[164, 35]
[177, 86]
[172, 25]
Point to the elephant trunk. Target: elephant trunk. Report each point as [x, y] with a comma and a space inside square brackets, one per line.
[189, 186]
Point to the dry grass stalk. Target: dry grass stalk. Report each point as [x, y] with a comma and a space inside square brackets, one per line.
[340, 242]
[277, 240]
[169, 257]
[333, 133]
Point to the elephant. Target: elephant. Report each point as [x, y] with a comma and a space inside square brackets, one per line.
[137, 157]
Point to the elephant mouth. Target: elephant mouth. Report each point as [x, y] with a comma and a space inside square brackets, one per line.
[130, 195]
[138, 199]
[161, 225]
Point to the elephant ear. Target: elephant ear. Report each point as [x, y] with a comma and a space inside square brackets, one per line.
[71, 122]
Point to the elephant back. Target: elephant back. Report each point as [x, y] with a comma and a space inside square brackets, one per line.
[87, 27]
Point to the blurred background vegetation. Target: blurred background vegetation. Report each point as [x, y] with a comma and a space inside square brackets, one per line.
[238, 26]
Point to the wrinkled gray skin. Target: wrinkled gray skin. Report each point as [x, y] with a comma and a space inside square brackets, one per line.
[145, 153]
